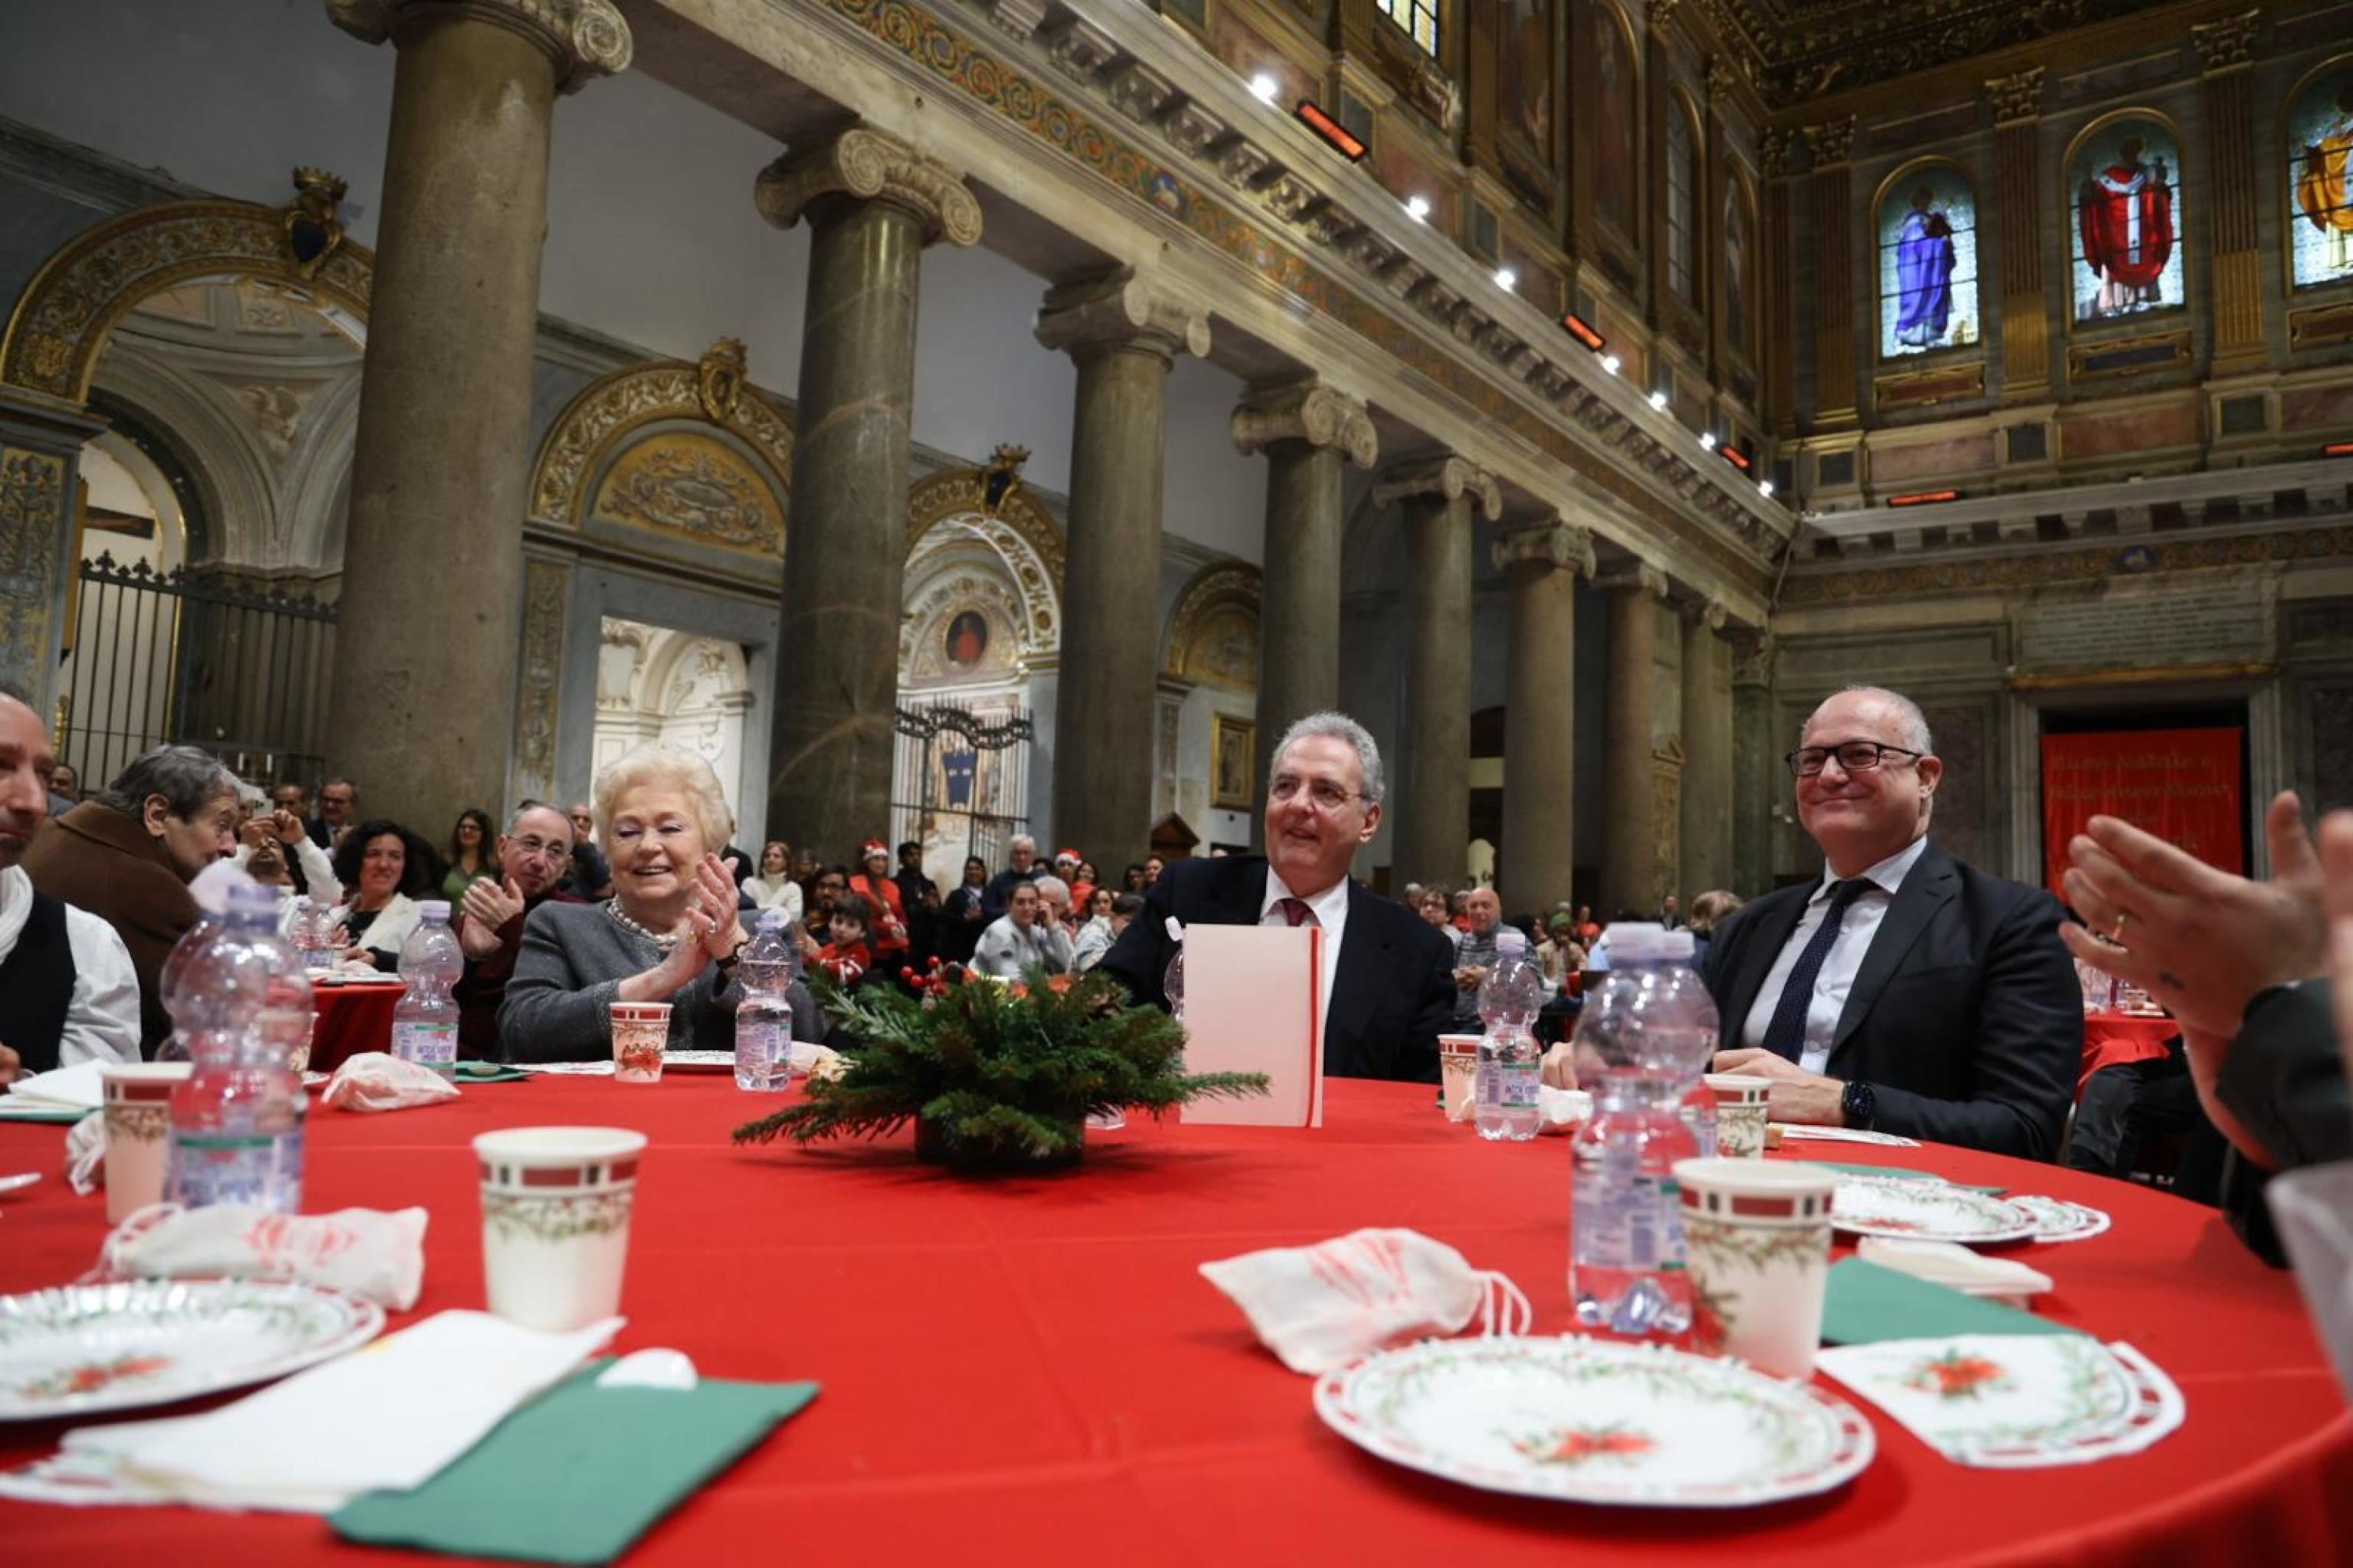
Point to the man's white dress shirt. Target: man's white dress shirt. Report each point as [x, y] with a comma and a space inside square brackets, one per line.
[103, 1019]
[1328, 909]
[1845, 961]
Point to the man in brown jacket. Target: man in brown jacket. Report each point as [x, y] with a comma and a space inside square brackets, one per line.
[127, 854]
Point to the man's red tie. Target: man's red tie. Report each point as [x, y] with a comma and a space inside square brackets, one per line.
[1295, 910]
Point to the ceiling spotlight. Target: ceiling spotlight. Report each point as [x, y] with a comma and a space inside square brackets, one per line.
[1417, 207]
[1610, 362]
[1764, 487]
[1505, 278]
[1263, 87]
[1708, 440]
[1658, 400]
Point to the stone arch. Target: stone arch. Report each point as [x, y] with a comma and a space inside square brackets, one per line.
[62, 319]
[953, 504]
[617, 420]
[1213, 629]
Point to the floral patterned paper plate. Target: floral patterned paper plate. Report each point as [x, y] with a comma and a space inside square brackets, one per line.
[698, 1060]
[80, 1350]
[2057, 1219]
[1936, 1210]
[2015, 1401]
[1591, 1421]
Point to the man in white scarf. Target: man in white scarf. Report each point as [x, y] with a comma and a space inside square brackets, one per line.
[67, 992]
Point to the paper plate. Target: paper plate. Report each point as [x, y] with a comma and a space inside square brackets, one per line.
[1591, 1421]
[698, 1060]
[1936, 1211]
[2057, 1219]
[2015, 1401]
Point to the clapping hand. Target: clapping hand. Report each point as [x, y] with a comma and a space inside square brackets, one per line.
[2336, 870]
[489, 905]
[286, 826]
[12, 1066]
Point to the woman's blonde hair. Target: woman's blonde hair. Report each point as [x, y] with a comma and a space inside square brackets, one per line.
[665, 767]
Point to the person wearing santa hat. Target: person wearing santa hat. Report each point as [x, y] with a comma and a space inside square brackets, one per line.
[891, 945]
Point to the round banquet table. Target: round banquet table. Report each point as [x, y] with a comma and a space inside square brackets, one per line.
[1030, 1371]
[2111, 1038]
[353, 1019]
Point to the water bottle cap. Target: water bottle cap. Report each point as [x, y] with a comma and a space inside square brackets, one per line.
[433, 911]
[770, 920]
[1511, 939]
[251, 899]
[1680, 946]
[1638, 942]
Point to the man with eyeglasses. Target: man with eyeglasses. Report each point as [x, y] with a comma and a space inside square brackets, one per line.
[533, 855]
[1902, 991]
[1388, 974]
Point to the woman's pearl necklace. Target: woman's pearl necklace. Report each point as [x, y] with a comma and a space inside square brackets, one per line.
[661, 942]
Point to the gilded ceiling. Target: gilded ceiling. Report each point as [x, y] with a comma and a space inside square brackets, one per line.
[1800, 50]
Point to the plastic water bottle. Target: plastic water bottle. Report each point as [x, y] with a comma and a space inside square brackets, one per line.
[312, 930]
[1508, 1067]
[1676, 970]
[171, 983]
[425, 1023]
[1645, 1036]
[764, 1019]
[242, 1005]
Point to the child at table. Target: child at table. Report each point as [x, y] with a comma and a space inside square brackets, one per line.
[849, 954]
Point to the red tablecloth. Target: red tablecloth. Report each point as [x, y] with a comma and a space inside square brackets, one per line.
[353, 1019]
[1031, 1371]
[2110, 1038]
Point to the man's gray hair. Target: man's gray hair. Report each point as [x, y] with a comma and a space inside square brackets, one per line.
[187, 777]
[1911, 722]
[1051, 884]
[515, 817]
[1021, 839]
[1339, 726]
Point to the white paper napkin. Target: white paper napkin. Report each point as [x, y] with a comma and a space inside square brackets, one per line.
[1561, 1111]
[388, 1416]
[77, 1088]
[1961, 1268]
[1845, 1135]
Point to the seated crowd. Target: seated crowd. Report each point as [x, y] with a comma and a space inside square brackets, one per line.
[1902, 990]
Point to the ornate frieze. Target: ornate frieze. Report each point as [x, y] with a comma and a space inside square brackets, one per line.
[1562, 546]
[582, 39]
[1449, 478]
[1309, 411]
[2227, 44]
[547, 601]
[868, 164]
[2016, 97]
[1122, 310]
[32, 500]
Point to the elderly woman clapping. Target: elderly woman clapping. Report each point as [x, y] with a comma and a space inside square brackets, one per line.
[670, 933]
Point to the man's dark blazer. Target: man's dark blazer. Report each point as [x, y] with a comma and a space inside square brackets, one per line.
[1392, 991]
[1965, 1018]
[2284, 1080]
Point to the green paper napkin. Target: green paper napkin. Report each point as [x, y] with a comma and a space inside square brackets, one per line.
[1898, 1174]
[489, 1073]
[578, 1473]
[1865, 1303]
[61, 1116]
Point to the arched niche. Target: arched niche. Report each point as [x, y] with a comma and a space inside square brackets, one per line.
[962, 520]
[1213, 629]
[686, 452]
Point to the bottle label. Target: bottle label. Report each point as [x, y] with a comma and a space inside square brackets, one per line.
[1625, 1219]
[257, 1168]
[429, 1044]
[1520, 1083]
[760, 1043]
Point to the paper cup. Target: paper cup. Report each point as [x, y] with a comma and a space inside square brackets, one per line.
[640, 1035]
[556, 1222]
[138, 1126]
[1458, 1072]
[1758, 1240]
[1742, 1108]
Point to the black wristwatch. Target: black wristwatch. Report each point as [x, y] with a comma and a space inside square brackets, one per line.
[1858, 1104]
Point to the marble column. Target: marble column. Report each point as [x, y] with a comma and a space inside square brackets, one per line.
[872, 203]
[1629, 826]
[1122, 331]
[1539, 855]
[1704, 841]
[1758, 779]
[433, 567]
[1432, 799]
[1307, 430]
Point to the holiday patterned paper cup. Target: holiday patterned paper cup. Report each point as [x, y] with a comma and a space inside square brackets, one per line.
[1458, 1070]
[556, 1222]
[640, 1035]
[138, 1126]
[1758, 1237]
[1742, 1105]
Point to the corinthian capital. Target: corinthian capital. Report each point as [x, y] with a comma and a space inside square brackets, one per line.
[1121, 310]
[867, 164]
[1448, 478]
[582, 39]
[1306, 411]
[1562, 547]
[2229, 43]
[2016, 97]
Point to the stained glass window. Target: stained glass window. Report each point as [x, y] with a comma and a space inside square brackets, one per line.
[2128, 230]
[1928, 262]
[1417, 17]
[2320, 179]
[1682, 185]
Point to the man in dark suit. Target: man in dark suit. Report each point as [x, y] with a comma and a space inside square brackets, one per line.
[1904, 990]
[1388, 973]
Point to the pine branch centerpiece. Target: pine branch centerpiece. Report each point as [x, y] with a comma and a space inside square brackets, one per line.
[994, 1076]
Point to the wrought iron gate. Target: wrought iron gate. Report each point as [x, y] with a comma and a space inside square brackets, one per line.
[162, 657]
[960, 782]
